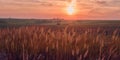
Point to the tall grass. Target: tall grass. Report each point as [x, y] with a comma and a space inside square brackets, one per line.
[66, 43]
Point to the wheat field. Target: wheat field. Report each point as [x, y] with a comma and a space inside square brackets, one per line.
[59, 43]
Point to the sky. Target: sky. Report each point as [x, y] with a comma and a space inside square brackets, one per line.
[84, 9]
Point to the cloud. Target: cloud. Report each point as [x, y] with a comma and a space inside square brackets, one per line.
[35, 2]
[57, 2]
[108, 3]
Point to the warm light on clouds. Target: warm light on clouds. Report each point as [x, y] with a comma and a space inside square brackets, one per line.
[86, 9]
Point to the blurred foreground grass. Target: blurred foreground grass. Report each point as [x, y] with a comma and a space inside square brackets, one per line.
[60, 43]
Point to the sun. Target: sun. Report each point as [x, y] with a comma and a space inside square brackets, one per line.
[70, 10]
[71, 7]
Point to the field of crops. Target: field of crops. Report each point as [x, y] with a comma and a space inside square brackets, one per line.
[60, 43]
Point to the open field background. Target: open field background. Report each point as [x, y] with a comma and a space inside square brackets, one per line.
[59, 40]
[26, 22]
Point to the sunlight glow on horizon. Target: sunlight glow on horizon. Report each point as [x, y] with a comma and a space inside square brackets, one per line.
[67, 9]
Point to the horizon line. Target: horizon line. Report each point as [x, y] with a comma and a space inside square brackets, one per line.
[53, 18]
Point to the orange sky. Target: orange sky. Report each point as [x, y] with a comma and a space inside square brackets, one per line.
[85, 9]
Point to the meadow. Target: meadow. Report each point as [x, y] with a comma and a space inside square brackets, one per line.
[59, 40]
